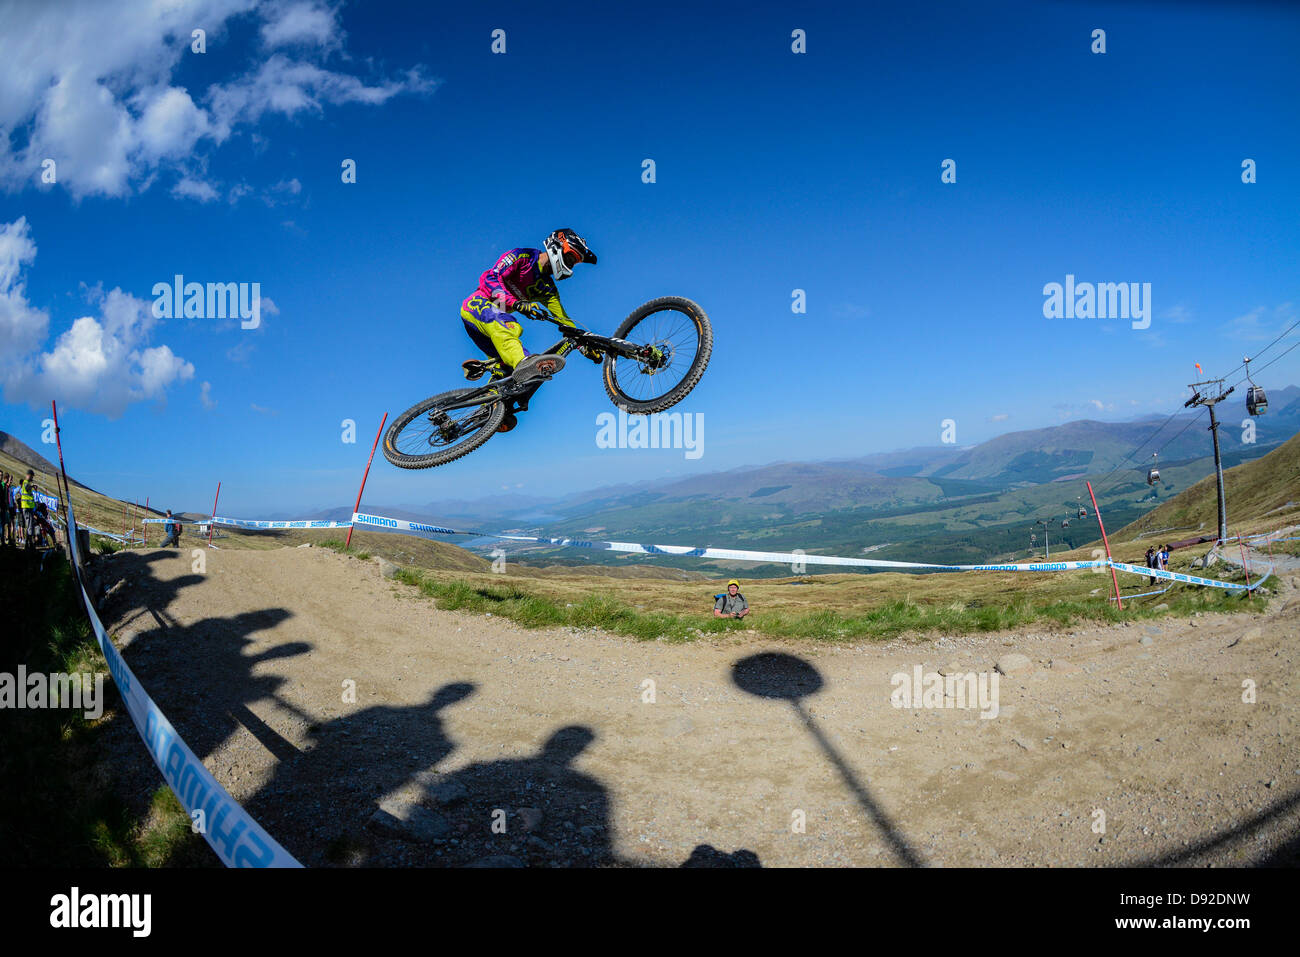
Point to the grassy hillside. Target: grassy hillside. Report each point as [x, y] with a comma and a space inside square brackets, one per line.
[1261, 494]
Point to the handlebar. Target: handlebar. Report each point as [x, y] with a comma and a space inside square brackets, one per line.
[549, 316]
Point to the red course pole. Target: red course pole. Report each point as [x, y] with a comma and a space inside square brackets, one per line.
[67, 493]
[144, 526]
[356, 508]
[214, 514]
[1245, 563]
[1119, 602]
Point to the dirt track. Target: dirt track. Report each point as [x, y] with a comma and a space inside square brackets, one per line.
[458, 716]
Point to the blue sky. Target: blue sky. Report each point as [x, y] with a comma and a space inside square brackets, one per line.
[775, 171]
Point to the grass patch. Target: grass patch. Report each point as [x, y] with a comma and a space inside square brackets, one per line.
[986, 610]
[60, 806]
[338, 545]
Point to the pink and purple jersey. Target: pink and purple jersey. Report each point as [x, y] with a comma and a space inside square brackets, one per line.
[517, 276]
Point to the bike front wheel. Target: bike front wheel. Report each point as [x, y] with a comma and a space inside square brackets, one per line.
[428, 434]
[675, 340]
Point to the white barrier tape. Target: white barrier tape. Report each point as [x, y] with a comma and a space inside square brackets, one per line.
[1188, 579]
[101, 533]
[237, 839]
[785, 558]
[253, 523]
[425, 530]
[430, 531]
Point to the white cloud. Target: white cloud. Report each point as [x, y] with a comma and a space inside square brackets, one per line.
[241, 350]
[1262, 323]
[1000, 417]
[88, 83]
[169, 124]
[286, 86]
[22, 328]
[849, 310]
[101, 364]
[190, 188]
[205, 396]
[312, 24]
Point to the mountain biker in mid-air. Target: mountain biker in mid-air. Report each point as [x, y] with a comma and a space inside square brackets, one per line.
[522, 281]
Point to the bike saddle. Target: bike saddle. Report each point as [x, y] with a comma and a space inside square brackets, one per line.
[538, 367]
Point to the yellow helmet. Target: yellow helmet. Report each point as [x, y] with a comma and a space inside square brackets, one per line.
[733, 582]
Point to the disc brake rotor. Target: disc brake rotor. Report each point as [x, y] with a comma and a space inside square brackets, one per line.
[660, 357]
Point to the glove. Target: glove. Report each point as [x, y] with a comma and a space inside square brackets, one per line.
[533, 310]
[594, 354]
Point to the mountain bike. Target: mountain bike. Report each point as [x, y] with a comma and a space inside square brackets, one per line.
[654, 359]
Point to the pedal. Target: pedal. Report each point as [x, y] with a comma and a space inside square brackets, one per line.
[538, 367]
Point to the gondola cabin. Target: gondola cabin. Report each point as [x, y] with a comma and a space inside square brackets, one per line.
[1256, 401]
[1083, 512]
[1153, 475]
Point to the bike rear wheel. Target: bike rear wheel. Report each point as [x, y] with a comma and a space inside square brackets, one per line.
[425, 435]
[679, 331]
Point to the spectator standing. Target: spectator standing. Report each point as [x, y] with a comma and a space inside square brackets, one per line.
[171, 531]
[27, 508]
[6, 509]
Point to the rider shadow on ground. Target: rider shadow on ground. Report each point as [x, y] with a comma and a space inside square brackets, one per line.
[200, 675]
[530, 811]
[539, 811]
[363, 794]
[785, 677]
[320, 803]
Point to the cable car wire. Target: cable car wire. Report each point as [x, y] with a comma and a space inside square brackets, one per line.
[1267, 347]
[1190, 422]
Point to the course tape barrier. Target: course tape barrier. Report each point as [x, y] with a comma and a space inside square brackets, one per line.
[431, 531]
[253, 523]
[423, 530]
[103, 534]
[1188, 579]
[237, 839]
[426, 530]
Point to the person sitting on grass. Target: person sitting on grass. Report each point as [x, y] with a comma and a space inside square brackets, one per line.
[731, 604]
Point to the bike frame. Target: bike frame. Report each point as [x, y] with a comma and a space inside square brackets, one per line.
[573, 338]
